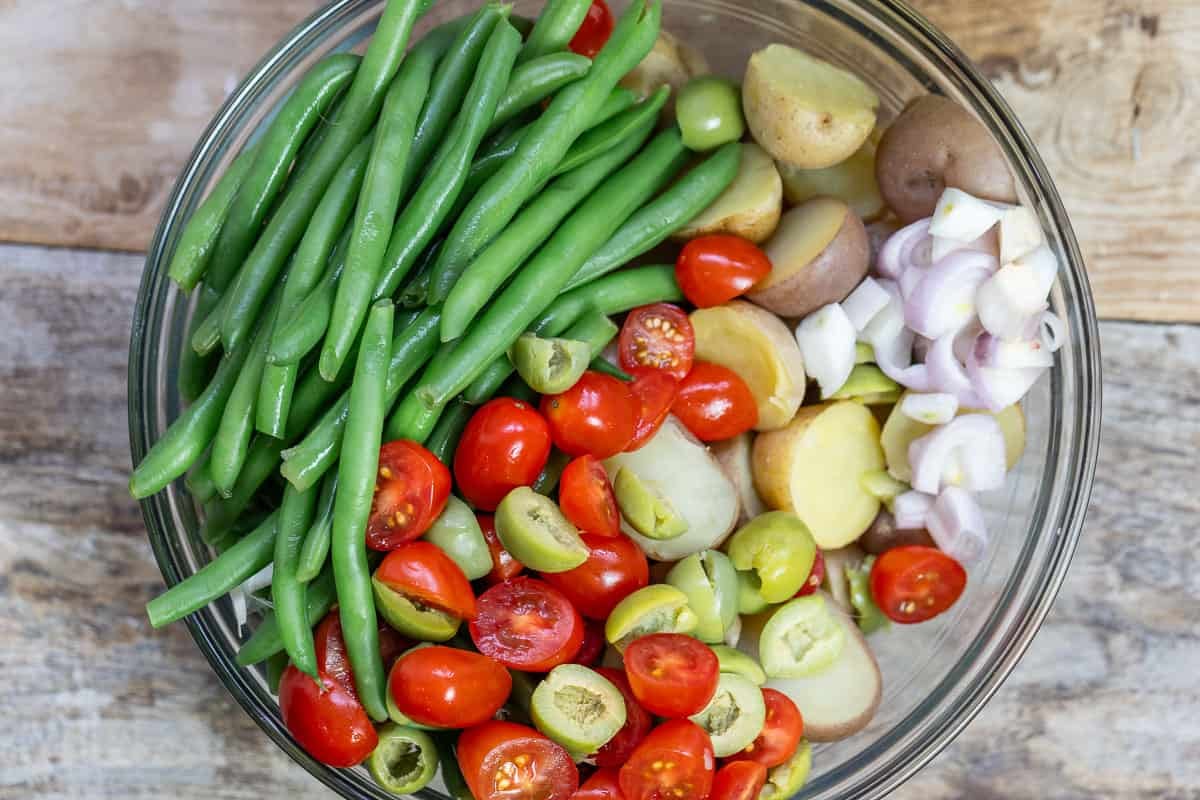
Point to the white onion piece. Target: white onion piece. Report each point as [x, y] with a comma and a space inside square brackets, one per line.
[910, 279]
[991, 351]
[826, 338]
[1020, 234]
[865, 302]
[944, 300]
[988, 243]
[892, 343]
[237, 596]
[259, 580]
[957, 526]
[933, 408]
[1054, 331]
[920, 348]
[947, 374]
[963, 217]
[1011, 302]
[1000, 387]
[910, 508]
[968, 452]
[909, 246]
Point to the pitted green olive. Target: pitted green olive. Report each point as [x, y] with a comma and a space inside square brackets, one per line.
[534, 530]
[457, 533]
[868, 384]
[802, 638]
[404, 761]
[866, 613]
[411, 618]
[790, 776]
[749, 598]
[779, 548]
[652, 609]
[710, 583]
[736, 662]
[550, 366]
[578, 708]
[646, 508]
[735, 715]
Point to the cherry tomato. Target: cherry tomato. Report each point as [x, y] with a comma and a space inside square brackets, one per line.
[586, 498]
[504, 566]
[421, 571]
[654, 391]
[391, 644]
[739, 780]
[675, 762]
[615, 567]
[505, 445]
[410, 492]
[658, 336]
[527, 624]
[714, 403]
[596, 416]
[326, 718]
[448, 687]
[638, 723]
[507, 761]
[594, 32]
[915, 583]
[714, 269]
[671, 674]
[780, 735]
[603, 785]
[593, 644]
[815, 576]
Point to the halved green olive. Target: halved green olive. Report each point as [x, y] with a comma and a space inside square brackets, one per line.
[456, 531]
[578, 708]
[779, 548]
[404, 761]
[735, 715]
[790, 776]
[866, 613]
[800, 639]
[749, 597]
[868, 385]
[411, 618]
[710, 583]
[735, 662]
[864, 353]
[550, 366]
[646, 508]
[652, 609]
[532, 528]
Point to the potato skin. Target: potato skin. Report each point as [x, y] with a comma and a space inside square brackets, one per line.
[749, 208]
[933, 144]
[771, 458]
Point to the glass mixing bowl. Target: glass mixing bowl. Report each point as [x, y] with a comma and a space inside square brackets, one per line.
[938, 675]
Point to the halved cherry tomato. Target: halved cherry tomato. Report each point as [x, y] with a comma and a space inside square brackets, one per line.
[914, 583]
[391, 644]
[411, 490]
[421, 571]
[714, 403]
[739, 780]
[592, 646]
[448, 687]
[714, 269]
[780, 735]
[586, 497]
[505, 445]
[815, 576]
[596, 416]
[654, 391]
[672, 675]
[527, 624]
[604, 784]
[675, 762]
[615, 567]
[658, 336]
[326, 718]
[594, 32]
[638, 723]
[507, 761]
[504, 566]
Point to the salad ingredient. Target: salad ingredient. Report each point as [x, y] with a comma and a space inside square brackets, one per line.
[532, 528]
[620, 119]
[548, 478]
[852, 181]
[1012, 302]
[781, 732]
[315, 550]
[819, 253]
[614, 569]
[456, 531]
[586, 497]
[594, 32]
[885, 533]
[789, 777]
[750, 599]
[779, 548]
[654, 391]
[504, 566]
[602, 785]
[901, 430]
[578, 708]
[936, 408]
[527, 624]
[866, 612]
[806, 111]
[749, 208]
[536, 78]
[592, 646]
[447, 687]
[734, 661]
[658, 336]
[266, 640]
[869, 385]
[812, 468]
[675, 761]
[287, 592]
[671, 62]
[914, 584]
[554, 28]
[714, 403]
[709, 581]
[956, 524]
[638, 723]
[962, 218]
[657, 608]
[838, 563]
[1019, 234]
[739, 780]
[412, 617]
[883, 486]
[505, 445]
[861, 306]
[404, 761]
[645, 508]
[423, 573]
[800, 639]
[411, 489]
[733, 455]
[967, 452]
[672, 675]
[911, 508]
[715, 268]
[734, 716]
[507, 761]
[550, 366]
[709, 112]
[816, 576]
[597, 416]
[827, 339]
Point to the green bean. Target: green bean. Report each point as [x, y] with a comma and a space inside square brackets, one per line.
[314, 141]
[535, 80]
[555, 27]
[608, 368]
[414, 292]
[276, 666]
[665, 214]
[543, 147]
[195, 246]
[267, 640]
[444, 439]
[221, 513]
[206, 334]
[216, 578]
[195, 370]
[516, 388]
[296, 338]
[352, 506]
[315, 551]
[287, 592]
[273, 158]
[431, 203]
[613, 131]
[199, 481]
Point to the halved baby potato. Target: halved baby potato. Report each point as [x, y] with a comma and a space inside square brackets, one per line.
[852, 181]
[669, 63]
[749, 208]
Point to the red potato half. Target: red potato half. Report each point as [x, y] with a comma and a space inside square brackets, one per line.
[734, 457]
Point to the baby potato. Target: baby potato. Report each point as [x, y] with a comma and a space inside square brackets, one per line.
[805, 111]
[852, 181]
[749, 208]
[935, 144]
[669, 62]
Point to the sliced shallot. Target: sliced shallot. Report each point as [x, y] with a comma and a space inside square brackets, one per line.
[967, 452]
[826, 338]
[1011, 302]
[1020, 234]
[910, 508]
[865, 302]
[944, 300]
[963, 217]
[957, 526]
[908, 247]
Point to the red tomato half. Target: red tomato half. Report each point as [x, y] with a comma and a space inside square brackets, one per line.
[675, 762]
[448, 687]
[604, 784]
[594, 32]
[615, 567]
[504, 566]
[714, 269]
[507, 761]
[654, 391]
[596, 416]
[421, 571]
[411, 490]
[815, 576]
[714, 403]
[638, 723]
[671, 674]
[527, 624]
[505, 445]
[739, 780]
[780, 735]
[914, 583]
[658, 336]
[586, 498]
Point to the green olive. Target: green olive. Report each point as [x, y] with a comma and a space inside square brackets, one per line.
[709, 112]
[736, 662]
[881, 485]
[790, 776]
[578, 708]
[868, 385]
[800, 639]
[457, 533]
[868, 615]
[779, 548]
[735, 715]
[550, 366]
[864, 353]
[646, 508]
[749, 597]
[404, 761]
[652, 609]
[411, 618]
[710, 583]
[531, 527]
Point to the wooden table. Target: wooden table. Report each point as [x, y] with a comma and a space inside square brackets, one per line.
[101, 102]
